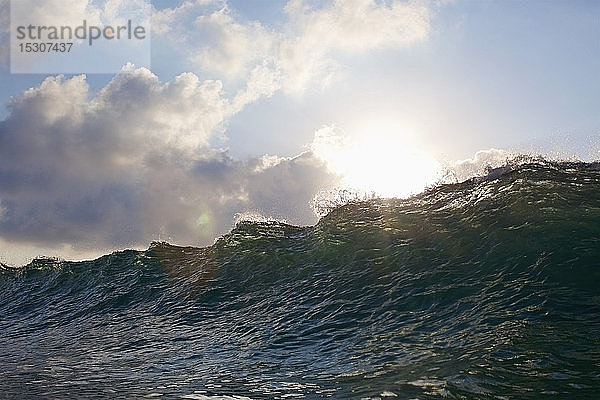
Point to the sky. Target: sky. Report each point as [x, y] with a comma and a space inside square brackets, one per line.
[259, 108]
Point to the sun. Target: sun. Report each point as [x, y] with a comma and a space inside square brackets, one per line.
[379, 161]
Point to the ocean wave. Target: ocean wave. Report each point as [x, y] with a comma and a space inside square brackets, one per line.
[484, 288]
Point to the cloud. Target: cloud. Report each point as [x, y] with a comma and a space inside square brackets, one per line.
[73, 12]
[213, 39]
[350, 26]
[361, 24]
[236, 48]
[176, 21]
[60, 12]
[302, 51]
[208, 37]
[133, 164]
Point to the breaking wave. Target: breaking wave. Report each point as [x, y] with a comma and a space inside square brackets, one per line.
[485, 288]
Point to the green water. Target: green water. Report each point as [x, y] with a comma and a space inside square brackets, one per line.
[485, 289]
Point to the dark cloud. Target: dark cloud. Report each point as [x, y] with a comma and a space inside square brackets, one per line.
[133, 164]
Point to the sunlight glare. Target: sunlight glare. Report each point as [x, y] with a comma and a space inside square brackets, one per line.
[378, 162]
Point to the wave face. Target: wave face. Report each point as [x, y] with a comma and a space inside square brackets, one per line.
[485, 289]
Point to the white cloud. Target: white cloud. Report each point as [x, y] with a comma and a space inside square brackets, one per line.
[348, 25]
[57, 12]
[176, 21]
[214, 40]
[234, 48]
[302, 51]
[361, 24]
[74, 12]
[181, 114]
[263, 81]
